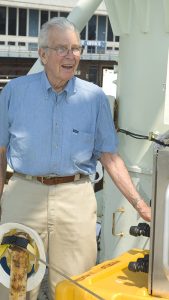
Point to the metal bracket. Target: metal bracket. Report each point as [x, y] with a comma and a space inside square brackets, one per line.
[119, 210]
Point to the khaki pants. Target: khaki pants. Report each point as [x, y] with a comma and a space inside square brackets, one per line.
[64, 216]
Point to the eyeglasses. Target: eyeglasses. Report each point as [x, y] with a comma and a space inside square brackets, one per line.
[63, 51]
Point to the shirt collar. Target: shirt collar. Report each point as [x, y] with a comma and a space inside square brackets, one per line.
[69, 88]
[45, 82]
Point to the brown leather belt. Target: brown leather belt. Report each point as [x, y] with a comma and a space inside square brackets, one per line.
[53, 180]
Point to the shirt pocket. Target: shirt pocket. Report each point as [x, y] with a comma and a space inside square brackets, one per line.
[82, 146]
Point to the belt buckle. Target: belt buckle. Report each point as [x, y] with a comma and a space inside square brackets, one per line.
[77, 177]
[44, 177]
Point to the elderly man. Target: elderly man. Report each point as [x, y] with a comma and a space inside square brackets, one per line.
[54, 128]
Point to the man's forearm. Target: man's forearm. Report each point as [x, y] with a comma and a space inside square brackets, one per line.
[118, 172]
[3, 166]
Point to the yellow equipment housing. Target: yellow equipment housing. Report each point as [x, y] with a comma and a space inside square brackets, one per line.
[111, 280]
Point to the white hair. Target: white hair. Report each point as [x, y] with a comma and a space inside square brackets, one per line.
[58, 23]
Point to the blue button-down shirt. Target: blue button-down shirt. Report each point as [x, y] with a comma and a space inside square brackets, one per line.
[55, 133]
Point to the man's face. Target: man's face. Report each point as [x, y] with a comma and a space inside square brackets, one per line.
[60, 68]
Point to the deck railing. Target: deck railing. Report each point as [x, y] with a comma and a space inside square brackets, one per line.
[21, 46]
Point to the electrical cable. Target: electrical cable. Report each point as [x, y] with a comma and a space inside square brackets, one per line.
[150, 137]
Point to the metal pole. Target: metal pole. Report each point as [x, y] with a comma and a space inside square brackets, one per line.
[82, 12]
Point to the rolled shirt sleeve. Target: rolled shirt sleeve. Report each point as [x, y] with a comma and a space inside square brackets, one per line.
[105, 137]
[4, 124]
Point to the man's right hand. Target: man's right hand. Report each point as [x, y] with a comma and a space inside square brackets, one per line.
[144, 210]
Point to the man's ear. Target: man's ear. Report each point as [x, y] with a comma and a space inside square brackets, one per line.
[43, 55]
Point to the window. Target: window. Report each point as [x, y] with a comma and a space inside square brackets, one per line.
[33, 46]
[64, 14]
[11, 43]
[2, 20]
[12, 21]
[109, 48]
[92, 34]
[101, 34]
[44, 16]
[53, 14]
[22, 44]
[83, 34]
[22, 22]
[91, 49]
[33, 22]
[93, 74]
[92, 28]
[101, 49]
[101, 28]
[117, 39]
[109, 32]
